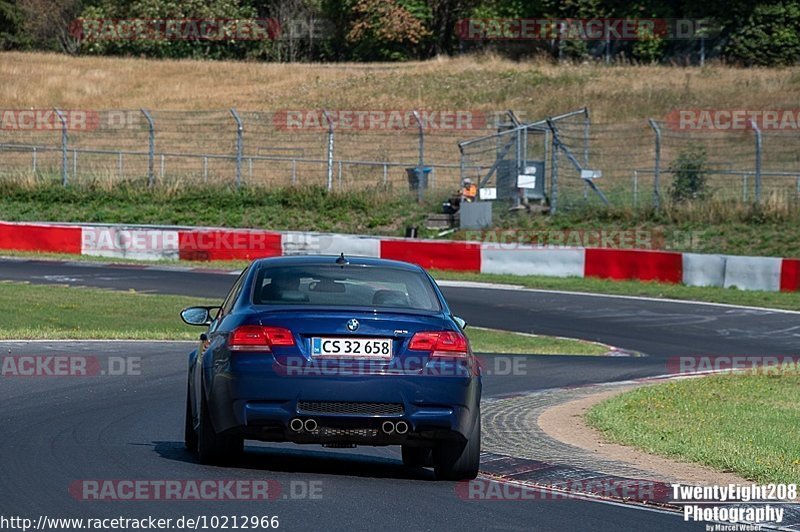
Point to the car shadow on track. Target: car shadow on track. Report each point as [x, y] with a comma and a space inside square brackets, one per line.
[282, 459]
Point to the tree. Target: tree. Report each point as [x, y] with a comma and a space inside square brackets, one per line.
[47, 23]
[385, 29]
[153, 44]
[770, 36]
[11, 35]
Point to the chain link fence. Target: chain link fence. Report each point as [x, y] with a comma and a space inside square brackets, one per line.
[568, 160]
[336, 149]
[643, 164]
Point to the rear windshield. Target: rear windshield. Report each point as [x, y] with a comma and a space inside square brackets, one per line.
[348, 286]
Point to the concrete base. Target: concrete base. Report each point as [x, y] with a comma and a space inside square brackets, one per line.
[475, 215]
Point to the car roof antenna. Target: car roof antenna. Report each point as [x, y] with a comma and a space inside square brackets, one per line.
[341, 260]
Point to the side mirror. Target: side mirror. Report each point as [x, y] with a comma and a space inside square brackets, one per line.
[198, 315]
[460, 321]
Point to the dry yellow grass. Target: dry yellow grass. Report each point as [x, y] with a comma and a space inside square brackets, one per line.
[620, 97]
[533, 89]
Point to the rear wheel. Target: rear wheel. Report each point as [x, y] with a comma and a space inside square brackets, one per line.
[460, 460]
[214, 448]
[417, 456]
[189, 434]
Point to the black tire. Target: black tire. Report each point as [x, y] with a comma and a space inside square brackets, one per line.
[189, 434]
[417, 456]
[214, 448]
[460, 460]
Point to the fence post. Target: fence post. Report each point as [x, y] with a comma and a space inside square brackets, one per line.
[586, 125]
[330, 149]
[758, 161]
[64, 168]
[553, 167]
[657, 168]
[239, 146]
[151, 148]
[461, 164]
[421, 165]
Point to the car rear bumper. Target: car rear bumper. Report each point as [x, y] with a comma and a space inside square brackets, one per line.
[259, 399]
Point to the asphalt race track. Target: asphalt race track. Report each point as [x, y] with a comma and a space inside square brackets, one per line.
[58, 431]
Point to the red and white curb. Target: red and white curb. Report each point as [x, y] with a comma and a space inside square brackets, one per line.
[208, 243]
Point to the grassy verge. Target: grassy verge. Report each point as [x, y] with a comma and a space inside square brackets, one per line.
[61, 312]
[495, 341]
[707, 228]
[747, 424]
[307, 208]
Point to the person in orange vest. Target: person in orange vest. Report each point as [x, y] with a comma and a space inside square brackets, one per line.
[468, 190]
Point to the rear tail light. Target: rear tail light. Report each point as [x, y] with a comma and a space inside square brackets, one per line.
[259, 338]
[440, 343]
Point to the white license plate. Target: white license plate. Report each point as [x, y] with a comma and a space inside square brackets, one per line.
[351, 347]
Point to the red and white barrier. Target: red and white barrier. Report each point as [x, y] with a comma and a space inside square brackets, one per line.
[299, 243]
[204, 244]
[703, 270]
[529, 260]
[132, 243]
[753, 273]
[40, 237]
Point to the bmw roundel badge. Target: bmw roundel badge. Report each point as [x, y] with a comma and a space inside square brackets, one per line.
[352, 325]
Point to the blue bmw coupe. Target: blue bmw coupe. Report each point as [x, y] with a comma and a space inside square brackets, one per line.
[339, 352]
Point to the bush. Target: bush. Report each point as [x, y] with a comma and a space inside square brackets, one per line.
[689, 174]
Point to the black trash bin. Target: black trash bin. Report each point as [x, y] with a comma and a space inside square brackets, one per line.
[416, 179]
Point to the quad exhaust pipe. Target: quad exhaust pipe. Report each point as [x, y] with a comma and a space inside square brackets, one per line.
[311, 425]
[390, 427]
[298, 425]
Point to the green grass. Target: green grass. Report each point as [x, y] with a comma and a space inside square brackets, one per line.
[714, 228]
[62, 312]
[131, 202]
[754, 298]
[59, 312]
[496, 341]
[746, 424]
